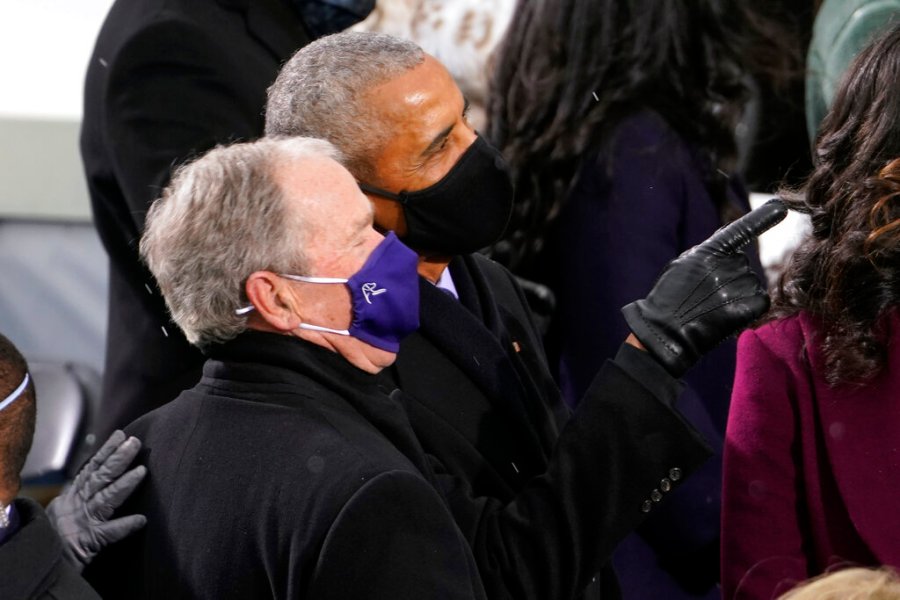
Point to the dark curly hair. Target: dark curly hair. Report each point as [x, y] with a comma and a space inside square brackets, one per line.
[847, 273]
[569, 70]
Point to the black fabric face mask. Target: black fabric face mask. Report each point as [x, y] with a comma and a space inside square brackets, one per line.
[467, 210]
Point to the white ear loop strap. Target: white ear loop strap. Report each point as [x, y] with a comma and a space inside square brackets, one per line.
[14, 395]
[306, 279]
[246, 309]
[323, 329]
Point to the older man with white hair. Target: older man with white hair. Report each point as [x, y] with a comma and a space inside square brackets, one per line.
[287, 471]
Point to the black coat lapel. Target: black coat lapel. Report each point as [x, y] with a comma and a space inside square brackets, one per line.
[476, 350]
[506, 314]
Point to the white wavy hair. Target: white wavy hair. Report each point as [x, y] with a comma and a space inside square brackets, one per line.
[221, 218]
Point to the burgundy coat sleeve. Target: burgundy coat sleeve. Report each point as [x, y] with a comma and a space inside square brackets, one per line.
[762, 537]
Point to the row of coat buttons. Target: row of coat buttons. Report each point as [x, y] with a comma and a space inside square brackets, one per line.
[665, 484]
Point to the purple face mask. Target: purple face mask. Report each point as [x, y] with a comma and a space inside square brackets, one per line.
[384, 293]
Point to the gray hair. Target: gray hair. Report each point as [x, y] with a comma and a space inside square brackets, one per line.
[321, 91]
[221, 218]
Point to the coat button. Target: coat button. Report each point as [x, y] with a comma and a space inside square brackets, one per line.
[675, 474]
[666, 484]
[656, 495]
[646, 506]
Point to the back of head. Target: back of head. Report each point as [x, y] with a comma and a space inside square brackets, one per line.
[17, 417]
[569, 70]
[321, 92]
[221, 218]
[848, 270]
[849, 584]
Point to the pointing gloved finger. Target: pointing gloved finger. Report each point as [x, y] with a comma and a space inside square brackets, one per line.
[103, 504]
[734, 236]
[112, 467]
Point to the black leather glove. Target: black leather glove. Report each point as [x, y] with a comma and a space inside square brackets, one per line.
[705, 295]
[81, 513]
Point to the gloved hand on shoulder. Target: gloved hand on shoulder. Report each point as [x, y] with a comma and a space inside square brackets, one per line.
[81, 513]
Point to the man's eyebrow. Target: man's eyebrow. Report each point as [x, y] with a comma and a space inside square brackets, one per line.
[438, 140]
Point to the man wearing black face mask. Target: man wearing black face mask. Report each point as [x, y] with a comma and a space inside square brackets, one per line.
[541, 497]
[168, 80]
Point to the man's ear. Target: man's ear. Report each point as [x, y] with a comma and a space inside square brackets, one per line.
[270, 296]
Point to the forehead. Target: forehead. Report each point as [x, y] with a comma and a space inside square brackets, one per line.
[325, 193]
[417, 103]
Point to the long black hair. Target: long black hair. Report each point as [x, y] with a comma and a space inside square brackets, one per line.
[847, 272]
[569, 70]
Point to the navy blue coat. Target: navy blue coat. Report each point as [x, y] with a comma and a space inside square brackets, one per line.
[639, 201]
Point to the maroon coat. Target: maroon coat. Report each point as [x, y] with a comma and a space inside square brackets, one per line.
[812, 473]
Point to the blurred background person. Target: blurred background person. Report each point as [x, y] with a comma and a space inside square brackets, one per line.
[772, 144]
[618, 121]
[812, 435]
[34, 561]
[31, 556]
[167, 81]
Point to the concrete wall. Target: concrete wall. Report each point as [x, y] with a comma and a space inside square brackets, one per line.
[40, 170]
[44, 49]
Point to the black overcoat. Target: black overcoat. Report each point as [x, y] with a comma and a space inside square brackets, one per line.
[288, 473]
[542, 497]
[285, 473]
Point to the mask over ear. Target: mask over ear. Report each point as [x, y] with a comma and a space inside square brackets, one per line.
[324, 17]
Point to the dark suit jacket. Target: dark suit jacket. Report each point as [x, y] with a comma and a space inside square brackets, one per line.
[285, 473]
[32, 566]
[810, 469]
[542, 499]
[168, 80]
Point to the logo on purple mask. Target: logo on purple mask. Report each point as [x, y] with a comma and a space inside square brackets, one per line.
[371, 289]
[384, 294]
